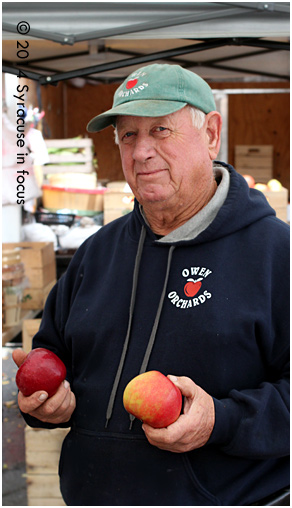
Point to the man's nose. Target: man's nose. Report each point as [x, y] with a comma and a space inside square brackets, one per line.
[144, 148]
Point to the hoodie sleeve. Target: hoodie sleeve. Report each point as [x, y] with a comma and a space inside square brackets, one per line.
[254, 423]
[51, 332]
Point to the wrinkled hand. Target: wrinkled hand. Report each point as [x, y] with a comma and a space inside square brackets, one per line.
[55, 409]
[193, 428]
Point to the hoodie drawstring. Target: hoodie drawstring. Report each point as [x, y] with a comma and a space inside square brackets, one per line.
[126, 343]
[131, 311]
[156, 323]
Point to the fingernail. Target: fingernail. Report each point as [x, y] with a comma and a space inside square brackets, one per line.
[172, 378]
[42, 397]
[66, 384]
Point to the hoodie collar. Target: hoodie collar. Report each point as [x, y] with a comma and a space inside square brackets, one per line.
[194, 226]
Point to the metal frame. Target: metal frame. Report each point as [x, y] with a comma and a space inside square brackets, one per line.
[218, 10]
[161, 55]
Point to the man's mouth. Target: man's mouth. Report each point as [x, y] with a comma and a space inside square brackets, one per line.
[153, 172]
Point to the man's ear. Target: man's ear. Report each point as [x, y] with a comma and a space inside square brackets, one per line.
[213, 131]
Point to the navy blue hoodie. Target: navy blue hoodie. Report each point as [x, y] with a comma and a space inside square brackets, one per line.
[215, 306]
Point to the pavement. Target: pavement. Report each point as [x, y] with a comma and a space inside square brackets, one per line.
[14, 491]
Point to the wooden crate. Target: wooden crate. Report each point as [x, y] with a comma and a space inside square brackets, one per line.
[63, 162]
[116, 204]
[42, 452]
[11, 307]
[55, 198]
[255, 160]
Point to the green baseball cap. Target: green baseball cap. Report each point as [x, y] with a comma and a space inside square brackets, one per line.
[156, 90]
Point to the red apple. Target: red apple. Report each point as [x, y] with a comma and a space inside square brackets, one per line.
[41, 370]
[250, 180]
[153, 398]
[192, 286]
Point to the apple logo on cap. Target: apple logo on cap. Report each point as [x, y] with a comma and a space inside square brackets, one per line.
[131, 83]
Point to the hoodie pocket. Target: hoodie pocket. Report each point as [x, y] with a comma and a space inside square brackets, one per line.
[117, 470]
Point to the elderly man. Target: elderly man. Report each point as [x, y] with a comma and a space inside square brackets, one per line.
[193, 283]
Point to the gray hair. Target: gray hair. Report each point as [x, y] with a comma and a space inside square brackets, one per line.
[197, 116]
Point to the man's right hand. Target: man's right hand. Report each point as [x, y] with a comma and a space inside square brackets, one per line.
[55, 409]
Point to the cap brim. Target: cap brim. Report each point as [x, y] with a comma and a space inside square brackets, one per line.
[149, 108]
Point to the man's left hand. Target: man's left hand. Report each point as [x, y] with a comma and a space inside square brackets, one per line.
[193, 428]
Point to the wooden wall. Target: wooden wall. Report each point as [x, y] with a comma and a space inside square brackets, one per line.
[82, 105]
[253, 119]
[52, 102]
[261, 119]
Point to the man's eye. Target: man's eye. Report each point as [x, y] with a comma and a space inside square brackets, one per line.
[161, 130]
[127, 136]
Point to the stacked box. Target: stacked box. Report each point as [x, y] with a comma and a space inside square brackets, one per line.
[71, 155]
[279, 201]
[40, 269]
[29, 328]
[13, 278]
[42, 448]
[42, 452]
[116, 204]
[255, 160]
[76, 200]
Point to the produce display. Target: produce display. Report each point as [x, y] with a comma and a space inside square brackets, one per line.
[273, 185]
[153, 398]
[41, 370]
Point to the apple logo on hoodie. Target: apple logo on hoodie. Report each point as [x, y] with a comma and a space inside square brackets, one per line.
[191, 288]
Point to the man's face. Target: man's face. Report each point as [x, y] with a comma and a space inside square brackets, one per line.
[166, 160]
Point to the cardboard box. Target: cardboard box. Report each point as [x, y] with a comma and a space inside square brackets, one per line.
[34, 254]
[29, 328]
[116, 204]
[40, 270]
[35, 298]
[42, 451]
[279, 201]
[41, 277]
[42, 448]
[255, 160]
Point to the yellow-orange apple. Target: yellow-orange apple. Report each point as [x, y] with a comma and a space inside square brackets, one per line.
[153, 398]
[274, 185]
[261, 187]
